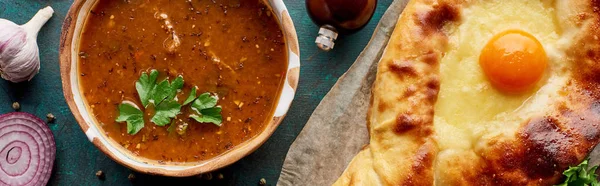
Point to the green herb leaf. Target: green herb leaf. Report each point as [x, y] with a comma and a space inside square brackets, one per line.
[160, 92]
[205, 106]
[204, 101]
[166, 91]
[580, 175]
[145, 86]
[191, 97]
[171, 127]
[163, 96]
[209, 115]
[165, 112]
[133, 116]
[175, 85]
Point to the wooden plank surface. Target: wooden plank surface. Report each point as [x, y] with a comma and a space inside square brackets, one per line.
[78, 160]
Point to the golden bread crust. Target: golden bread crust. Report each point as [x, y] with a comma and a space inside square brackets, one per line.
[403, 148]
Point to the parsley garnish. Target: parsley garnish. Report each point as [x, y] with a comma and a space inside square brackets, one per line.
[163, 95]
[209, 115]
[133, 116]
[207, 111]
[165, 111]
[166, 91]
[145, 85]
[580, 175]
[204, 101]
[191, 98]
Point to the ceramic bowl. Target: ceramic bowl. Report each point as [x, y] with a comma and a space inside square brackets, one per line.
[69, 47]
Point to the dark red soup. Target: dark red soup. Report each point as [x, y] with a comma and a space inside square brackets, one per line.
[233, 50]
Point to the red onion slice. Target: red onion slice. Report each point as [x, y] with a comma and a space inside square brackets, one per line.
[27, 150]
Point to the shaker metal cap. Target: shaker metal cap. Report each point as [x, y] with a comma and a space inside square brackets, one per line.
[326, 39]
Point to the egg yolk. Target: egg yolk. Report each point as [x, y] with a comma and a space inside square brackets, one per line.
[513, 61]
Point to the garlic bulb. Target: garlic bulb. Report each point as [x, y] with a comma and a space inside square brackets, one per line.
[19, 53]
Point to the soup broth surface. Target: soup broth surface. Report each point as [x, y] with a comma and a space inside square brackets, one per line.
[232, 48]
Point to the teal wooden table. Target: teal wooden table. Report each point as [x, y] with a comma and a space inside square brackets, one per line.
[77, 160]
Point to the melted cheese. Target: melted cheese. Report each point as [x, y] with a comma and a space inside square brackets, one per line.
[469, 110]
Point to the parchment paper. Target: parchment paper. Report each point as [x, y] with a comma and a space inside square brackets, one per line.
[336, 131]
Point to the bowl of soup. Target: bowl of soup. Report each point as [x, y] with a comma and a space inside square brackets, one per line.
[178, 88]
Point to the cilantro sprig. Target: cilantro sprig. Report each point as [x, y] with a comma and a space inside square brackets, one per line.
[580, 175]
[163, 95]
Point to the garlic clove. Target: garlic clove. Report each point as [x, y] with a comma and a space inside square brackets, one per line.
[12, 41]
[34, 25]
[19, 53]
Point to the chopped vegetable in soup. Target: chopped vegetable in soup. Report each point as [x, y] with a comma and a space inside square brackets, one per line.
[181, 81]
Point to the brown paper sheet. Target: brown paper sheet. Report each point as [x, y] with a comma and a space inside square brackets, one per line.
[336, 131]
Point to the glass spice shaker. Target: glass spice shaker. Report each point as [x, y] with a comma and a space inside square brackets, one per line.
[338, 16]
